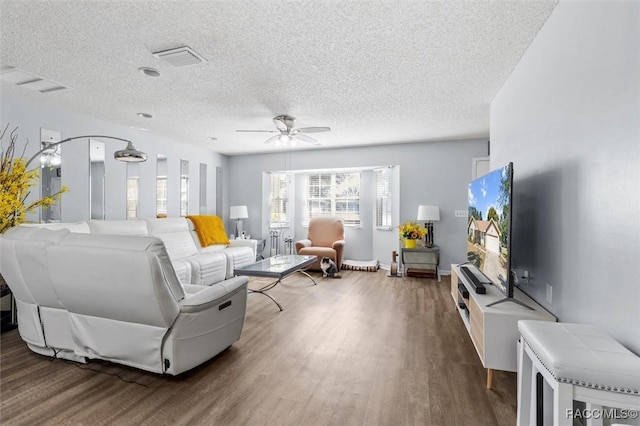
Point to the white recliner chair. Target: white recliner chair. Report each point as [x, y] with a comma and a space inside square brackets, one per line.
[116, 298]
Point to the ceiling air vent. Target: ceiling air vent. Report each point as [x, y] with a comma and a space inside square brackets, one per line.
[180, 56]
[28, 80]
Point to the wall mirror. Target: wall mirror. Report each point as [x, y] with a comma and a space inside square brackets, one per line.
[161, 185]
[133, 190]
[96, 179]
[50, 174]
[184, 187]
[203, 188]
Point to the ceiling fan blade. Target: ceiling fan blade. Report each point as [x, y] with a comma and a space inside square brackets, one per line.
[272, 139]
[256, 131]
[313, 129]
[304, 138]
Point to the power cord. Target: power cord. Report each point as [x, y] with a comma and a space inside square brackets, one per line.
[86, 367]
[81, 367]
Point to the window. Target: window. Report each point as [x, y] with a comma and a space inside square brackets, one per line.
[334, 194]
[184, 187]
[133, 190]
[383, 197]
[161, 185]
[279, 216]
[133, 185]
[161, 196]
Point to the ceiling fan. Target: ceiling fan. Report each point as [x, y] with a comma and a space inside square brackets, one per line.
[288, 135]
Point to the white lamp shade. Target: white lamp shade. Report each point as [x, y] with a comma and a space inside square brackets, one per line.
[428, 213]
[239, 212]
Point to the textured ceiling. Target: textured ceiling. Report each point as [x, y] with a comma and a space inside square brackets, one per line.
[376, 72]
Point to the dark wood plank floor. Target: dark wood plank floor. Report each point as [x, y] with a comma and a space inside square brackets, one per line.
[362, 350]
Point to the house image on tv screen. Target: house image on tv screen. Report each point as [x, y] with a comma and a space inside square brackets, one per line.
[486, 234]
[488, 227]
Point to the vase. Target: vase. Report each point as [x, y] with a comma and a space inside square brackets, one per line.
[410, 243]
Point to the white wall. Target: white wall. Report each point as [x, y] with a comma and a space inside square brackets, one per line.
[31, 117]
[430, 173]
[569, 119]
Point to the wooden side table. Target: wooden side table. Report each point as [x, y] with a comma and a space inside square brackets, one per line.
[420, 261]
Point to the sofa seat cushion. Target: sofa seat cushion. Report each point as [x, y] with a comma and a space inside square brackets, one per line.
[319, 252]
[252, 244]
[208, 268]
[237, 257]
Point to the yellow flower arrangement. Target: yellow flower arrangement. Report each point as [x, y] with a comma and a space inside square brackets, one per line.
[412, 231]
[15, 183]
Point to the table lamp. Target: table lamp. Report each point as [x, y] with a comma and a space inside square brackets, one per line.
[238, 213]
[428, 214]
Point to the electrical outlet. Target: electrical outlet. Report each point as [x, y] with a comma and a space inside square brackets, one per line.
[461, 213]
[549, 293]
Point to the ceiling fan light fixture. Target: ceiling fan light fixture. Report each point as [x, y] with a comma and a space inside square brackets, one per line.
[285, 140]
[289, 135]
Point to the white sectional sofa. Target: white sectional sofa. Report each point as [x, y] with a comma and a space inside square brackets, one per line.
[193, 263]
[89, 294]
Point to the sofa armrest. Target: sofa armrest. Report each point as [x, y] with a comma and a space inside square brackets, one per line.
[193, 288]
[212, 295]
[302, 244]
[253, 244]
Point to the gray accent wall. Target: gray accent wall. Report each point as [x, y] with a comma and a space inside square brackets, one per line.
[569, 119]
[435, 173]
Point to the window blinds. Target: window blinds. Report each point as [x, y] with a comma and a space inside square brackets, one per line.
[383, 197]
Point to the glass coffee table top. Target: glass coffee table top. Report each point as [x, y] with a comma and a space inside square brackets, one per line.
[278, 267]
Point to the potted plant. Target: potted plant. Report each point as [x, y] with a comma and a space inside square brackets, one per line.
[411, 232]
[16, 181]
[15, 185]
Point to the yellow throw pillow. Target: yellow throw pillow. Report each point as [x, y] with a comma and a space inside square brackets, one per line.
[210, 230]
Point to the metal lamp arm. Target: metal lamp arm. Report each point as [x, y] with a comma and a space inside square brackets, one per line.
[68, 140]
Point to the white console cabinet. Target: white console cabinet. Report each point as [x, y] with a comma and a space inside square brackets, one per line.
[494, 330]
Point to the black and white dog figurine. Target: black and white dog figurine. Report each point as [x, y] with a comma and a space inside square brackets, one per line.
[329, 268]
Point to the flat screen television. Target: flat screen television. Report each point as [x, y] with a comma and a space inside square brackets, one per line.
[489, 228]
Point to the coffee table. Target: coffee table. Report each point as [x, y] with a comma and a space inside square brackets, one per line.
[278, 267]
